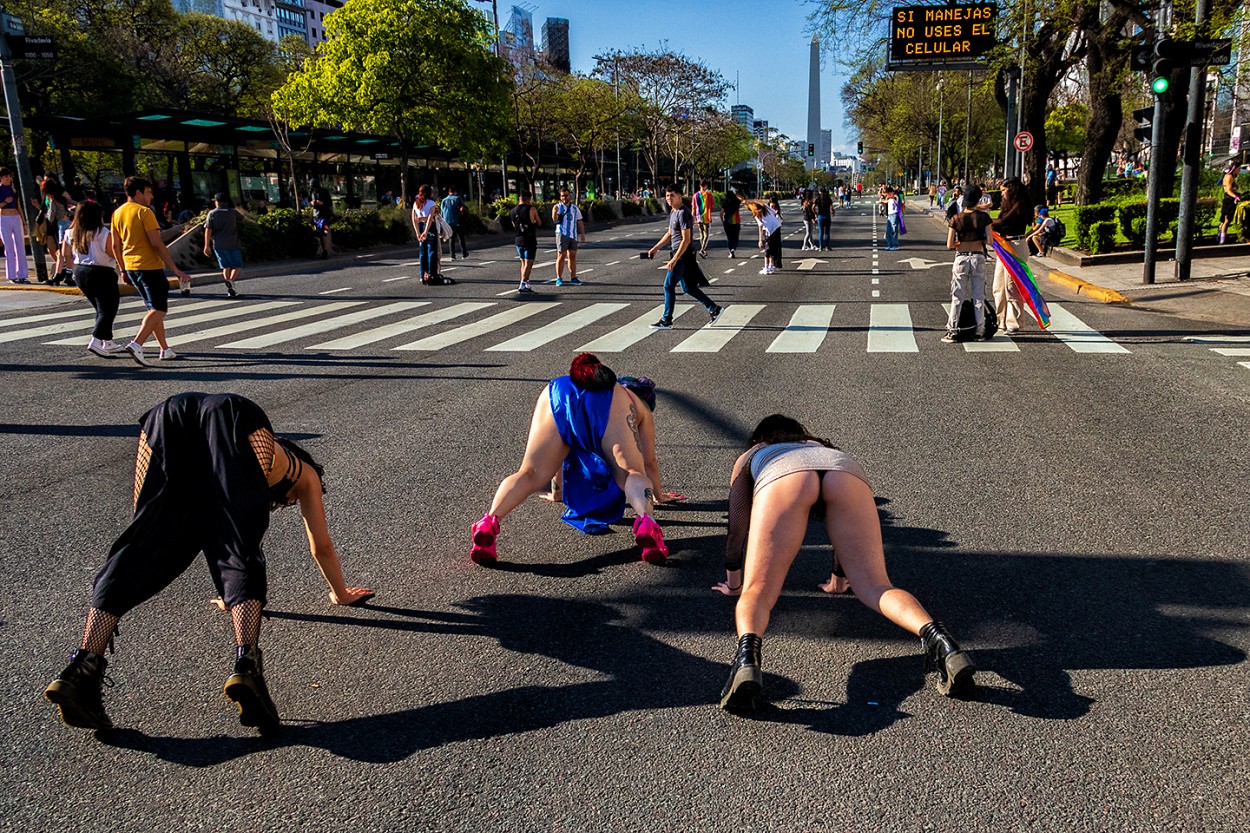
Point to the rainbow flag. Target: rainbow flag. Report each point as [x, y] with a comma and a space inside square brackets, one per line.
[1024, 280]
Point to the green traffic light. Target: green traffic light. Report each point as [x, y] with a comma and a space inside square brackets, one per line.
[1160, 85]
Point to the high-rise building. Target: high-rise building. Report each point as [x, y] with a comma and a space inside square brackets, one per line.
[743, 115]
[318, 11]
[556, 44]
[516, 38]
[759, 129]
[273, 19]
[813, 100]
[824, 151]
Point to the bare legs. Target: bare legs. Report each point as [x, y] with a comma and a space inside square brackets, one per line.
[153, 324]
[622, 447]
[544, 454]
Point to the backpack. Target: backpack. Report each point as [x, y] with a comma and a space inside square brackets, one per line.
[966, 329]
[1057, 232]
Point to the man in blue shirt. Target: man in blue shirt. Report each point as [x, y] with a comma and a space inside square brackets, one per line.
[454, 209]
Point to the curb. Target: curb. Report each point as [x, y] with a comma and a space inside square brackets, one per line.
[1098, 293]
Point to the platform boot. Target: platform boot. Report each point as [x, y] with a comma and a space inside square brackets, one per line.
[743, 689]
[246, 687]
[78, 691]
[943, 655]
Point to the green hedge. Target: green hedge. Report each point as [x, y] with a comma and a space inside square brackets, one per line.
[1102, 237]
[360, 228]
[1086, 216]
[278, 234]
[631, 208]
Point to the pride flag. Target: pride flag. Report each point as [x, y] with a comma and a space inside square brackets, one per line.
[1023, 278]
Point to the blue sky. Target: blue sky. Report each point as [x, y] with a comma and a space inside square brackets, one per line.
[762, 42]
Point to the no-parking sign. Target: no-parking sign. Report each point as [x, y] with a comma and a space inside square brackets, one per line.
[1023, 141]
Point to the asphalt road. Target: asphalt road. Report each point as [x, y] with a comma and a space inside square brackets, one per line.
[1076, 518]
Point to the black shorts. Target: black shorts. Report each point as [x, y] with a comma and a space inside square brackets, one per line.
[152, 286]
[205, 492]
[1227, 208]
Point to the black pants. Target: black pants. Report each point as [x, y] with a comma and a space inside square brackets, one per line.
[457, 231]
[99, 284]
[204, 492]
[732, 231]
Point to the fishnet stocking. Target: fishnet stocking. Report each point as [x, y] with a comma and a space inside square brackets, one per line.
[98, 635]
[741, 497]
[142, 460]
[262, 445]
[246, 617]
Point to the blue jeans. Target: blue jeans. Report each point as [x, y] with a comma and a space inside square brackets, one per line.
[822, 225]
[428, 249]
[891, 232]
[677, 275]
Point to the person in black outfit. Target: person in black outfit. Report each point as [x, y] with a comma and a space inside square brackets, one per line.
[208, 472]
[968, 234]
[824, 219]
[323, 213]
[1013, 220]
[525, 221]
[731, 219]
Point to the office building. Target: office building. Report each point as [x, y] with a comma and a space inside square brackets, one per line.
[824, 151]
[318, 11]
[516, 38]
[743, 115]
[556, 44]
[272, 19]
[759, 129]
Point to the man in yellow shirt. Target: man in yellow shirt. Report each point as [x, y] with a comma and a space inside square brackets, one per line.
[136, 241]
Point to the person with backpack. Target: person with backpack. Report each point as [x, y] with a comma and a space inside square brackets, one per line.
[969, 236]
[525, 222]
[454, 210]
[1046, 233]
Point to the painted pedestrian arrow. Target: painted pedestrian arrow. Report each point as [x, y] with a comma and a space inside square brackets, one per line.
[809, 263]
[921, 263]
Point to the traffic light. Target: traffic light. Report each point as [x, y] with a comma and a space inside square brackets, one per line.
[1161, 69]
[859, 147]
[811, 149]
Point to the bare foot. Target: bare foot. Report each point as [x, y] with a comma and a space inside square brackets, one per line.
[836, 584]
[218, 603]
[554, 497]
[353, 595]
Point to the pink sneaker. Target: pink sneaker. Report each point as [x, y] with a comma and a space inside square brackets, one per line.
[484, 533]
[648, 536]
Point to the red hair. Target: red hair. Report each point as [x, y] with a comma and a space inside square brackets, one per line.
[588, 373]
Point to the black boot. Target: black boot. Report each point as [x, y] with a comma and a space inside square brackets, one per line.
[77, 693]
[953, 665]
[68, 277]
[742, 690]
[246, 687]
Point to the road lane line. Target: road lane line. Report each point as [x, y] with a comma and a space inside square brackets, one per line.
[479, 328]
[712, 337]
[633, 332]
[1231, 351]
[399, 328]
[333, 291]
[890, 329]
[1079, 336]
[323, 326]
[557, 329]
[806, 331]
[613, 263]
[400, 278]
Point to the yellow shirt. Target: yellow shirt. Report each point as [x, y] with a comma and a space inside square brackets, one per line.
[131, 223]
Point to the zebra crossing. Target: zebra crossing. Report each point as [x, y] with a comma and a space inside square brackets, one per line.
[522, 327]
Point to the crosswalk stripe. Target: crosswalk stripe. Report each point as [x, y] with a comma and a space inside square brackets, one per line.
[408, 325]
[890, 329]
[1078, 335]
[219, 310]
[560, 328]
[79, 312]
[1000, 343]
[633, 332]
[256, 324]
[322, 326]
[806, 331]
[1246, 365]
[1231, 351]
[77, 326]
[479, 328]
[716, 335]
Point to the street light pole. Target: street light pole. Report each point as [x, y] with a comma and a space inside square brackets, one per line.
[937, 169]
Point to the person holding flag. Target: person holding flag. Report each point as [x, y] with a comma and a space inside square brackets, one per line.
[1008, 230]
[704, 202]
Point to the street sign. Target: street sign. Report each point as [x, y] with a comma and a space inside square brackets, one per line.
[1144, 115]
[36, 47]
[1141, 57]
[1199, 53]
[1023, 141]
[941, 35]
[11, 24]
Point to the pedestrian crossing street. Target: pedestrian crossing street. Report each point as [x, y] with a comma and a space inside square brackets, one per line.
[520, 327]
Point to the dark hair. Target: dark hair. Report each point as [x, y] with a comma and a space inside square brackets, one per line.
[640, 386]
[5, 172]
[525, 195]
[588, 373]
[51, 188]
[88, 219]
[972, 197]
[703, 183]
[135, 185]
[424, 191]
[779, 428]
[1013, 191]
[674, 188]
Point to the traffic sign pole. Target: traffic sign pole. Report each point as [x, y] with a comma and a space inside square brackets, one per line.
[25, 179]
[1191, 157]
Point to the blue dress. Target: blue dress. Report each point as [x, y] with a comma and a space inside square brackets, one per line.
[590, 491]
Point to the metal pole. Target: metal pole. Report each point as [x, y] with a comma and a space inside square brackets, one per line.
[1191, 156]
[967, 126]
[1156, 167]
[1009, 151]
[25, 179]
[941, 101]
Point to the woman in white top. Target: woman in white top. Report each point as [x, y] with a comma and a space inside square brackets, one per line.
[425, 219]
[86, 243]
[770, 234]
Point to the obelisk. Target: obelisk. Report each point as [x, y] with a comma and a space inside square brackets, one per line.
[813, 106]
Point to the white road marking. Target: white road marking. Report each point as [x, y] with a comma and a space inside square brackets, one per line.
[487, 262]
[557, 329]
[479, 328]
[1231, 351]
[633, 332]
[1078, 335]
[890, 329]
[1000, 343]
[876, 281]
[258, 323]
[613, 263]
[400, 278]
[334, 291]
[225, 310]
[714, 336]
[408, 325]
[323, 326]
[876, 293]
[806, 331]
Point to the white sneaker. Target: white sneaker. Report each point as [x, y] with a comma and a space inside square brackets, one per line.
[102, 348]
[764, 271]
[135, 349]
[167, 354]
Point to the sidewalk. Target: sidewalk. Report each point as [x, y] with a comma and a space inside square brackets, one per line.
[1219, 289]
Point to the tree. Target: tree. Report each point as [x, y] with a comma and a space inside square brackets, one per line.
[586, 115]
[418, 70]
[671, 87]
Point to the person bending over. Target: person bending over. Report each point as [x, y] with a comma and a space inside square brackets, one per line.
[587, 423]
[783, 477]
[208, 473]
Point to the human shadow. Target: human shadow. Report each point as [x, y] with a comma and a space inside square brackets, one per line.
[637, 672]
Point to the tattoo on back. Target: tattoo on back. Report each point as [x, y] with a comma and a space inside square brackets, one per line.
[632, 422]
